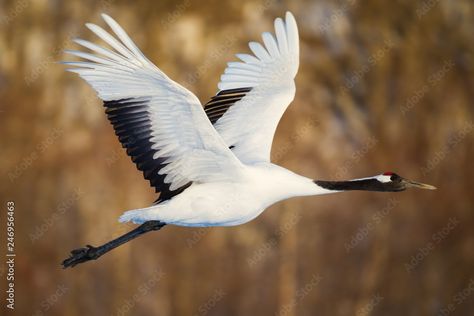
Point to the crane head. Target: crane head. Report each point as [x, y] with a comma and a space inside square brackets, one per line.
[391, 181]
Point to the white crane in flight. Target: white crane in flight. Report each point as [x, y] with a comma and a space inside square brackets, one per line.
[211, 165]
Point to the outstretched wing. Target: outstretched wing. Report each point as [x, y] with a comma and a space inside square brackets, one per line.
[254, 93]
[161, 124]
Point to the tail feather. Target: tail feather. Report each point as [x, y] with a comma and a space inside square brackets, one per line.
[139, 216]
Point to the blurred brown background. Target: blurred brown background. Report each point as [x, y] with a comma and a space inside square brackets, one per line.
[383, 85]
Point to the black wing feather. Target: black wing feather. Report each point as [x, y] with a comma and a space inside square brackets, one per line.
[132, 124]
[221, 102]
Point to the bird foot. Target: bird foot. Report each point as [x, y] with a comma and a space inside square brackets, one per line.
[81, 255]
[91, 253]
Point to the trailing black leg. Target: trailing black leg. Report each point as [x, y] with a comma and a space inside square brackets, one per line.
[92, 253]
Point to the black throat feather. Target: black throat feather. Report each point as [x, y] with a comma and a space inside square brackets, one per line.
[360, 185]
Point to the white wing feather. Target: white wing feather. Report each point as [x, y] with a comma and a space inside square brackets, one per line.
[249, 124]
[183, 138]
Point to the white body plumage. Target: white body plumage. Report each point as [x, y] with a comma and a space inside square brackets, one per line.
[229, 203]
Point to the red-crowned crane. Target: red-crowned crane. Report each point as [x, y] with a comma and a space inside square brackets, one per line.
[211, 165]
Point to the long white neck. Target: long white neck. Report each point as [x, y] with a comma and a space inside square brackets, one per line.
[302, 186]
[282, 184]
[277, 183]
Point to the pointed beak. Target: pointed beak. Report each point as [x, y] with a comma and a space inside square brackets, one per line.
[419, 185]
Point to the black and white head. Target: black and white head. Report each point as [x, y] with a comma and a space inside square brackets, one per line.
[385, 182]
[392, 182]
